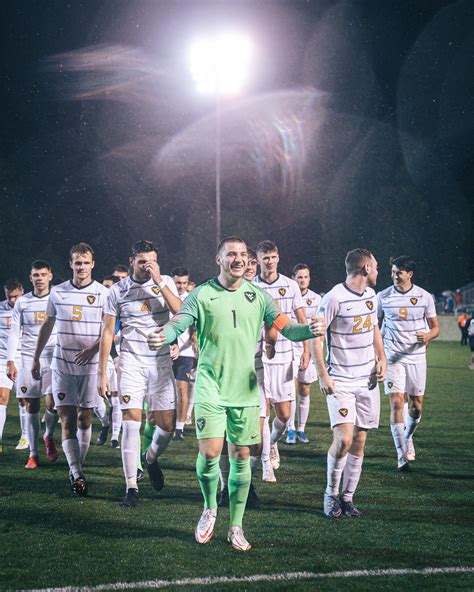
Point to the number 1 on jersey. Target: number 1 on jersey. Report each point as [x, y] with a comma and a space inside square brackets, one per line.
[234, 317]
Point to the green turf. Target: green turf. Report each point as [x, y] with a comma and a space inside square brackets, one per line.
[49, 538]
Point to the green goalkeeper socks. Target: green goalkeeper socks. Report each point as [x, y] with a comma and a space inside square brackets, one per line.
[148, 432]
[239, 483]
[207, 470]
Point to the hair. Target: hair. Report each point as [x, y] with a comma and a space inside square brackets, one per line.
[111, 278]
[266, 246]
[143, 246]
[179, 271]
[229, 239]
[299, 267]
[41, 264]
[81, 249]
[355, 259]
[252, 254]
[120, 267]
[403, 262]
[13, 284]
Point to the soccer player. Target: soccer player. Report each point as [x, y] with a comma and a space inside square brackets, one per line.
[279, 377]
[13, 290]
[356, 361]
[141, 302]
[110, 280]
[75, 308]
[228, 312]
[28, 315]
[183, 365]
[302, 276]
[120, 271]
[406, 311]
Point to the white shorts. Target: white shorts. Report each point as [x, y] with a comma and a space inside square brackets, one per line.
[279, 382]
[112, 375]
[307, 376]
[155, 386]
[264, 394]
[5, 382]
[29, 388]
[76, 390]
[358, 405]
[406, 378]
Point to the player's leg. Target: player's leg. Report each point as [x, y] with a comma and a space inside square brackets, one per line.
[189, 413]
[397, 426]
[4, 398]
[116, 419]
[290, 424]
[224, 468]
[282, 388]
[50, 414]
[23, 441]
[416, 384]
[32, 407]
[303, 411]
[88, 400]
[102, 413]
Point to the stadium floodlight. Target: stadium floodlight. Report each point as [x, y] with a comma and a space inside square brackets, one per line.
[220, 63]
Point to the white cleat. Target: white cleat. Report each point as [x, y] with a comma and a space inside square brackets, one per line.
[236, 538]
[22, 444]
[205, 528]
[410, 454]
[274, 456]
[267, 473]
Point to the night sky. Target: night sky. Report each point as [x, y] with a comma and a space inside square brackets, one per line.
[355, 129]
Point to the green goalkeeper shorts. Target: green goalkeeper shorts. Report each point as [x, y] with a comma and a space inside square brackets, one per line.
[242, 424]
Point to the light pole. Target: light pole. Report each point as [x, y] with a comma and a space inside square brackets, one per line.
[219, 66]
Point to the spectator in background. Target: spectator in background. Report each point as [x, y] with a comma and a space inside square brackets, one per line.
[463, 324]
[458, 300]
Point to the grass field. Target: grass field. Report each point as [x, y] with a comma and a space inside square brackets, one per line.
[416, 520]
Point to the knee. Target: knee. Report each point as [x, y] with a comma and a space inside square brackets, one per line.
[343, 445]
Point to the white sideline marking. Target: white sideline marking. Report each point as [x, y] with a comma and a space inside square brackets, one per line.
[283, 577]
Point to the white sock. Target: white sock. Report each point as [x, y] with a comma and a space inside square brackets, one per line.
[290, 424]
[130, 451]
[159, 443]
[397, 433]
[253, 465]
[303, 412]
[50, 421]
[84, 439]
[334, 474]
[3, 418]
[224, 468]
[22, 413]
[180, 425]
[189, 412]
[116, 417]
[33, 429]
[405, 412]
[351, 476]
[101, 412]
[410, 426]
[71, 452]
[278, 427]
[266, 440]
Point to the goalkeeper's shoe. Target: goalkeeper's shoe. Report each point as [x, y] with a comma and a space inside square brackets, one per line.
[237, 539]
[205, 528]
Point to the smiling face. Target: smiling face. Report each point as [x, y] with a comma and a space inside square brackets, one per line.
[40, 278]
[233, 259]
[401, 278]
[251, 270]
[82, 265]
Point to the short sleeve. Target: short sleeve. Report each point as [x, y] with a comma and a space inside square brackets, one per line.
[328, 308]
[430, 310]
[297, 298]
[111, 303]
[51, 306]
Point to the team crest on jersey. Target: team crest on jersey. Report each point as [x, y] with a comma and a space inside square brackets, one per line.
[370, 304]
[250, 296]
[23, 389]
[343, 412]
[309, 302]
[282, 291]
[91, 299]
[155, 289]
[413, 301]
[201, 422]
[390, 384]
[61, 396]
[126, 398]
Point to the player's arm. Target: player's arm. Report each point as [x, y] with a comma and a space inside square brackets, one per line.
[426, 336]
[380, 358]
[186, 317]
[326, 383]
[271, 336]
[43, 337]
[172, 300]
[105, 345]
[86, 354]
[300, 315]
[13, 340]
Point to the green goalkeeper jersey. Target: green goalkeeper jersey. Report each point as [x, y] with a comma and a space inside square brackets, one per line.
[228, 325]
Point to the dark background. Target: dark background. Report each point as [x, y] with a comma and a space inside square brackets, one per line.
[354, 130]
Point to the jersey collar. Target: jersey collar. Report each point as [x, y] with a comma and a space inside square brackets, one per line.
[353, 291]
[402, 292]
[269, 283]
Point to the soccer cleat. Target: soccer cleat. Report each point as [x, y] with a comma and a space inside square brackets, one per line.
[79, 485]
[114, 444]
[291, 437]
[102, 437]
[223, 501]
[32, 462]
[349, 510]
[332, 507]
[189, 420]
[205, 528]
[403, 465]
[268, 474]
[178, 436]
[237, 539]
[22, 444]
[252, 499]
[131, 498]
[157, 479]
[274, 456]
[51, 448]
[410, 454]
[139, 475]
[301, 437]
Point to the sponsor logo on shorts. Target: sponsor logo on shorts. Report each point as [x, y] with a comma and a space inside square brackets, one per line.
[23, 389]
[126, 398]
[309, 302]
[61, 396]
[250, 296]
[282, 291]
[389, 384]
[91, 299]
[253, 437]
[413, 301]
[201, 423]
[344, 412]
[155, 289]
[369, 304]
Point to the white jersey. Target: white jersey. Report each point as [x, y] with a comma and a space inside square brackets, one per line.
[78, 313]
[404, 314]
[351, 319]
[311, 302]
[141, 308]
[185, 342]
[28, 315]
[287, 296]
[6, 312]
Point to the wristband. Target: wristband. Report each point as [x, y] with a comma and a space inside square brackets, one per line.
[162, 284]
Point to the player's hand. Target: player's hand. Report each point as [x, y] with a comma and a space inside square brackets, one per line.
[304, 360]
[326, 384]
[36, 370]
[11, 371]
[154, 270]
[270, 350]
[381, 369]
[422, 337]
[84, 356]
[156, 339]
[103, 385]
[317, 326]
[174, 351]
